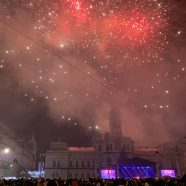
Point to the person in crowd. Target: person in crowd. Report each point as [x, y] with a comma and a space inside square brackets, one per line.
[95, 182]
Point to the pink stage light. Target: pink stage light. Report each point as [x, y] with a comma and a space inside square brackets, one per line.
[170, 173]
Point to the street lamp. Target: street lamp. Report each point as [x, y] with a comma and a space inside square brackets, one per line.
[6, 150]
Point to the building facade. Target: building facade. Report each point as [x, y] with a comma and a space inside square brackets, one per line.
[108, 152]
[14, 158]
[85, 162]
[70, 162]
[169, 156]
[109, 149]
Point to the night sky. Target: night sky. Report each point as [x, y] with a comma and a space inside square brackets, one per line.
[64, 64]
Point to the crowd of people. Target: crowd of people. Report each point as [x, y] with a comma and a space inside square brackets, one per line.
[95, 182]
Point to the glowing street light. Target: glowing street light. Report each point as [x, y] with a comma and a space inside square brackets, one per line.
[6, 150]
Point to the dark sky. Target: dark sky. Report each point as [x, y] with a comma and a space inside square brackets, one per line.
[65, 64]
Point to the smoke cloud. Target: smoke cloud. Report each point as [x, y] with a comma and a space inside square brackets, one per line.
[45, 88]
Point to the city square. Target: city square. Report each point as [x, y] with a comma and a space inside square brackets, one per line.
[92, 92]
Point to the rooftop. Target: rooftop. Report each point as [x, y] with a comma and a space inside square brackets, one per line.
[81, 149]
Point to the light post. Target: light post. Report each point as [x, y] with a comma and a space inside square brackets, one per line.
[6, 151]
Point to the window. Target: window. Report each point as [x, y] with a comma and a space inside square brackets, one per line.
[70, 164]
[128, 147]
[54, 164]
[93, 164]
[115, 146]
[99, 147]
[110, 147]
[107, 147]
[76, 164]
[88, 164]
[108, 160]
[124, 147]
[58, 164]
[82, 164]
[97, 170]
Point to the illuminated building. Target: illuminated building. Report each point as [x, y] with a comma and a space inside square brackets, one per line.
[14, 158]
[85, 162]
[112, 155]
[68, 162]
